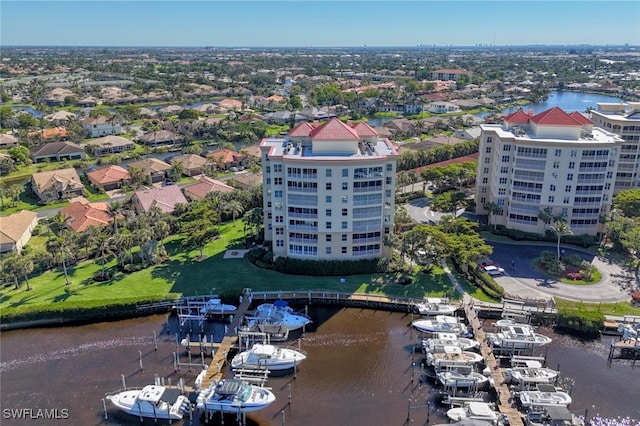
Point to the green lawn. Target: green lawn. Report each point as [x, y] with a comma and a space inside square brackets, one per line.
[618, 309]
[183, 274]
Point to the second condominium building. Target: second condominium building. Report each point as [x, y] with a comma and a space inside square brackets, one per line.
[328, 191]
[552, 160]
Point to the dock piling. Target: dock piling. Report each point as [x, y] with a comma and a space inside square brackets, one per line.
[124, 383]
[141, 368]
[155, 341]
[104, 407]
[289, 389]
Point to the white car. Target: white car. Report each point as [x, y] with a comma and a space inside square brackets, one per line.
[494, 271]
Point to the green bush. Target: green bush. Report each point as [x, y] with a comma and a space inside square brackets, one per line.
[325, 267]
[573, 260]
[586, 322]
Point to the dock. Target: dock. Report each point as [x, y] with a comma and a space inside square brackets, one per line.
[505, 403]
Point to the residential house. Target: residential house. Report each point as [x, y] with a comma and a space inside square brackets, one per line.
[50, 133]
[61, 116]
[401, 126]
[109, 178]
[171, 110]
[165, 198]
[225, 159]
[57, 184]
[16, 229]
[110, 145]
[7, 141]
[247, 180]
[191, 164]
[101, 126]
[468, 134]
[159, 137]
[231, 104]
[88, 102]
[153, 167]
[450, 74]
[57, 151]
[83, 214]
[205, 185]
[443, 107]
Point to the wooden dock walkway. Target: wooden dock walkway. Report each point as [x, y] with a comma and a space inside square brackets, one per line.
[505, 403]
[215, 371]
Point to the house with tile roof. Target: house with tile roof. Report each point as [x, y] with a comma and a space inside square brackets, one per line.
[230, 104]
[191, 164]
[50, 133]
[83, 214]
[7, 141]
[153, 167]
[165, 198]
[108, 145]
[246, 180]
[16, 229]
[109, 178]
[225, 159]
[159, 137]
[57, 184]
[57, 151]
[101, 126]
[205, 185]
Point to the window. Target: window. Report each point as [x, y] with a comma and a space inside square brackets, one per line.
[345, 199]
[327, 250]
[574, 152]
[570, 176]
[345, 212]
[328, 238]
[345, 186]
[277, 168]
[277, 181]
[567, 188]
[389, 167]
[327, 212]
[558, 152]
[327, 199]
[268, 181]
[607, 186]
[387, 193]
[279, 243]
[505, 158]
[487, 160]
[504, 169]
[483, 190]
[503, 181]
[489, 139]
[554, 175]
[344, 237]
[345, 172]
[328, 186]
[487, 150]
[506, 147]
[502, 191]
[566, 200]
[564, 211]
[279, 231]
[556, 164]
[344, 250]
[328, 172]
[552, 198]
[269, 215]
[483, 200]
[328, 225]
[268, 169]
[572, 164]
[268, 204]
[485, 180]
[277, 194]
[552, 188]
[485, 170]
[389, 180]
[345, 225]
[279, 219]
[500, 202]
[609, 175]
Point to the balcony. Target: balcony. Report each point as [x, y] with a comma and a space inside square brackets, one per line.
[302, 228]
[303, 240]
[302, 216]
[366, 240]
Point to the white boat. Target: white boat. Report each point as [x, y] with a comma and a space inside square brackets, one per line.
[629, 331]
[435, 306]
[546, 395]
[462, 377]
[450, 339]
[452, 356]
[553, 416]
[152, 401]
[474, 411]
[215, 306]
[278, 313]
[270, 357]
[517, 337]
[234, 396]
[442, 324]
[506, 323]
[533, 373]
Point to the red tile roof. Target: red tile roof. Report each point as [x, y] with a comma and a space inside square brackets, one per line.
[301, 130]
[555, 117]
[517, 117]
[363, 129]
[332, 130]
[580, 118]
[206, 185]
[109, 174]
[165, 198]
[84, 214]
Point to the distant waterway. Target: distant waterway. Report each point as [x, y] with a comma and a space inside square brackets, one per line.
[358, 371]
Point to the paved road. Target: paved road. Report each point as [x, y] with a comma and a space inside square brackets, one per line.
[419, 211]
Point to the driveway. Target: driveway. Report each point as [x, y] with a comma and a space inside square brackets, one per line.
[418, 209]
[523, 280]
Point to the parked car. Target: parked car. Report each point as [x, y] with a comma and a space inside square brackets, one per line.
[234, 169]
[494, 271]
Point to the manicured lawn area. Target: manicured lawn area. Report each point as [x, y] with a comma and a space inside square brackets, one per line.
[619, 308]
[183, 274]
[470, 289]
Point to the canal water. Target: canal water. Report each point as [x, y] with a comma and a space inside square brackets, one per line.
[359, 371]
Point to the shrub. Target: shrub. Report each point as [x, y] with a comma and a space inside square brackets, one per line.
[587, 322]
[573, 260]
[574, 276]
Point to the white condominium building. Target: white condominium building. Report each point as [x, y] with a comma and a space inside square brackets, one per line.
[329, 191]
[550, 160]
[623, 119]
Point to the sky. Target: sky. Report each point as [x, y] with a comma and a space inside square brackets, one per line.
[323, 23]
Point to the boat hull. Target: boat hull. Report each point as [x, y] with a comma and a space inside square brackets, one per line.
[127, 401]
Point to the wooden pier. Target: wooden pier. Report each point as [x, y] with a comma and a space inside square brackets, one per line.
[505, 403]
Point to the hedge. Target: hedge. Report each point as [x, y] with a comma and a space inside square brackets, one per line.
[586, 322]
[585, 241]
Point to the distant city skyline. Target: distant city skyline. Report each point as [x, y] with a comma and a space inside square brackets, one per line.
[318, 23]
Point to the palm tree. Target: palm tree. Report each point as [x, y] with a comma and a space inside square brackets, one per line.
[177, 169]
[560, 228]
[115, 210]
[60, 248]
[106, 248]
[234, 208]
[492, 209]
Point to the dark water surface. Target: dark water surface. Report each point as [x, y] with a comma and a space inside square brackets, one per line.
[358, 372]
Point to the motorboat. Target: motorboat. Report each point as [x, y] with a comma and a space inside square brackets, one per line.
[629, 331]
[517, 337]
[475, 411]
[214, 306]
[462, 377]
[545, 395]
[270, 357]
[450, 339]
[278, 313]
[442, 323]
[506, 323]
[552, 416]
[452, 356]
[532, 373]
[234, 396]
[152, 401]
[271, 332]
[435, 306]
